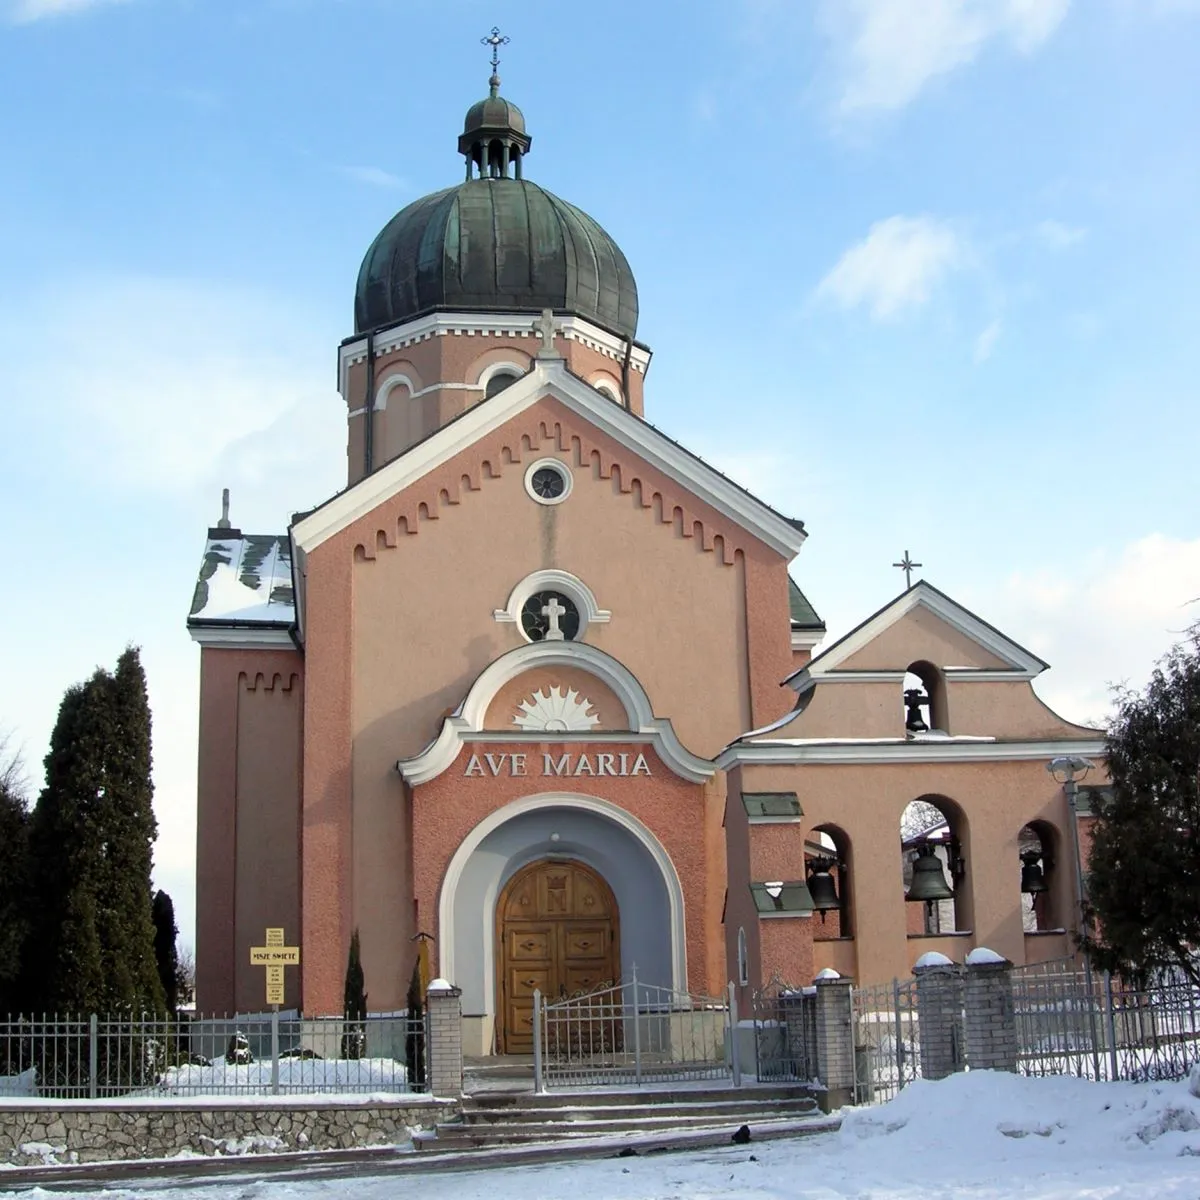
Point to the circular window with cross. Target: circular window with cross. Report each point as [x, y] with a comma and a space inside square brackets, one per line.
[550, 617]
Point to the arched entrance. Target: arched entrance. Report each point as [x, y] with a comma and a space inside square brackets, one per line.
[557, 931]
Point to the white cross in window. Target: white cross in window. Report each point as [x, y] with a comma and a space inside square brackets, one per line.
[552, 612]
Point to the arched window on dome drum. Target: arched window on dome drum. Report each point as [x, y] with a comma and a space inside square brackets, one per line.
[499, 382]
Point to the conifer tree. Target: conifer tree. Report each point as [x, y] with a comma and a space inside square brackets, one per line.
[1144, 866]
[354, 1003]
[91, 948]
[14, 875]
[166, 957]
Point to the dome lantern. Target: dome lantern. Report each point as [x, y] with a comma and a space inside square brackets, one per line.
[493, 136]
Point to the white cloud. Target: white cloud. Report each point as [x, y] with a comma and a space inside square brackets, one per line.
[375, 177]
[896, 267]
[23, 12]
[889, 50]
[1103, 622]
[1058, 236]
[985, 343]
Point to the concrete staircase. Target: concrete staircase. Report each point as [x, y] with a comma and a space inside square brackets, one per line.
[494, 1119]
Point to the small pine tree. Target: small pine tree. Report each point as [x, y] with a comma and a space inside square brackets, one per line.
[166, 957]
[354, 1003]
[1144, 866]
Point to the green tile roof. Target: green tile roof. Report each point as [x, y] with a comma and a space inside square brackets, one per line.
[804, 616]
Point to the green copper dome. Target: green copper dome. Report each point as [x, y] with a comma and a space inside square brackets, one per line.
[495, 245]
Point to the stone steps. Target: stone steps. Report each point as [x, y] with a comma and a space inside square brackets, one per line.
[506, 1119]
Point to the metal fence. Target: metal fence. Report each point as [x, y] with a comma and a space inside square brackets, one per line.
[1074, 1022]
[282, 1054]
[887, 1040]
[1067, 1019]
[631, 1033]
[785, 1033]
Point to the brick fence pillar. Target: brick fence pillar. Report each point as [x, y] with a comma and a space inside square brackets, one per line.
[991, 1023]
[835, 1039]
[443, 1039]
[940, 1016]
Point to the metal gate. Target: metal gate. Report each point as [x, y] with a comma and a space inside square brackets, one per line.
[631, 1033]
[785, 1033]
[887, 1040]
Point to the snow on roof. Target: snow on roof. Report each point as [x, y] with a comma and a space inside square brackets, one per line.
[245, 579]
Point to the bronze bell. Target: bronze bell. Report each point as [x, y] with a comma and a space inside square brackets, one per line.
[821, 887]
[914, 700]
[928, 880]
[1033, 878]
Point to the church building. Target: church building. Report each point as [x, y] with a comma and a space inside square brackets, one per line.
[538, 682]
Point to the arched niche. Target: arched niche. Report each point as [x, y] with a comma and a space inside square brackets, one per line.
[934, 827]
[1039, 850]
[924, 700]
[828, 847]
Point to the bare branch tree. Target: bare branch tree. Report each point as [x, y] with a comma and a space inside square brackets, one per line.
[14, 779]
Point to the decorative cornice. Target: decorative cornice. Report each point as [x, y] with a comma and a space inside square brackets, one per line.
[467, 724]
[551, 379]
[1022, 663]
[861, 752]
[515, 325]
[229, 637]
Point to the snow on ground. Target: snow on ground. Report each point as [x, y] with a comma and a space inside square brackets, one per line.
[981, 1136]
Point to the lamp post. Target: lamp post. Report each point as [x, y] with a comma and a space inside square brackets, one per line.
[1068, 770]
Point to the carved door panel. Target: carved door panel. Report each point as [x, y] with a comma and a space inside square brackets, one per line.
[556, 931]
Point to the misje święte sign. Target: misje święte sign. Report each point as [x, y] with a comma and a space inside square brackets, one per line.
[561, 766]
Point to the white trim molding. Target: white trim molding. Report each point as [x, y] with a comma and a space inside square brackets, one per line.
[864, 751]
[554, 580]
[466, 725]
[1021, 663]
[550, 378]
[556, 464]
[592, 804]
[807, 639]
[499, 325]
[244, 637]
[499, 368]
[388, 385]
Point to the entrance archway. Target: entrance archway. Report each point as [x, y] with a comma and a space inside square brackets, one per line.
[557, 931]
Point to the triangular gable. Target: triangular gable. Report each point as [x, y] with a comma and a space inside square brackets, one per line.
[997, 654]
[552, 379]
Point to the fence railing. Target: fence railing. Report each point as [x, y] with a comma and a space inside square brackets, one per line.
[1072, 1022]
[104, 1057]
[1065, 1020]
[631, 1033]
[785, 1033]
[887, 1040]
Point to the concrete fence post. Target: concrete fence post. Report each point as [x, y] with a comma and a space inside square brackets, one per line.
[443, 1039]
[835, 1039]
[991, 1023]
[940, 1016]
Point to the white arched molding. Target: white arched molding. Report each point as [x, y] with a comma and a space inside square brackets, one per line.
[592, 804]
[553, 580]
[466, 724]
[602, 383]
[499, 368]
[388, 385]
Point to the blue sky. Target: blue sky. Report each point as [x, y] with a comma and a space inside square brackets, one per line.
[921, 272]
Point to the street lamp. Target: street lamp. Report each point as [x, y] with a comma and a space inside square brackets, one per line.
[1069, 769]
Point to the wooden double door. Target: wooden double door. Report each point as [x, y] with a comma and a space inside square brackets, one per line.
[557, 932]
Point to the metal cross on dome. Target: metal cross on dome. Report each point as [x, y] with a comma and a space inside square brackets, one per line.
[907, 565]
[495, 40]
